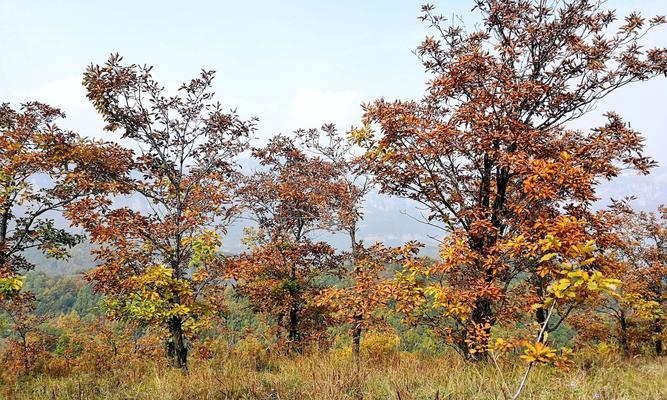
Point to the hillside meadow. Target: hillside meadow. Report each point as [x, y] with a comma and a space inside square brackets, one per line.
[115, 282]
[332, 375]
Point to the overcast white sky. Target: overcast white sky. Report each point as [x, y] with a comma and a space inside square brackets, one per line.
[291, 63]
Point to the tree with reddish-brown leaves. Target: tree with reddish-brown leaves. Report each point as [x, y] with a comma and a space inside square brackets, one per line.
[488, 151]
[647, 285]
[637, 316]
[363, 300]
[46, 171]
[292, 197]
[160, 266]
[282, 280]
[353, 183]
[365, 264]
[28, 342]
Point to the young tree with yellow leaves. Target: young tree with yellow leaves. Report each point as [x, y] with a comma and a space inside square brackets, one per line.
[577, 272]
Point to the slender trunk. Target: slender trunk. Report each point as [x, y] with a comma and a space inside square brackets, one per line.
[540, 312]
[293, 335]
[540, 315]
[462, 344]
[26, 352]
[356, 342]
[176, 348]
[293, 331]
[657, 329]
[543, 330]
[623, 322]
[482, 312]
[4, 221]
[356, 328]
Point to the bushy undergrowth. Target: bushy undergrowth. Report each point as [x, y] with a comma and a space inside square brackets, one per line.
[249, 372]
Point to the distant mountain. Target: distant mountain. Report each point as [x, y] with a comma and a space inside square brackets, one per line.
[650, 190]
[387, 219]
[80, 260]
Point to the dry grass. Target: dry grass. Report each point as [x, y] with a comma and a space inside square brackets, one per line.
[332, 376]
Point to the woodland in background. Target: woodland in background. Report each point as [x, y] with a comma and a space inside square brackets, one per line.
[532, 270]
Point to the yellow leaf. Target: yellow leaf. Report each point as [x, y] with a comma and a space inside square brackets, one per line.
[547, 257]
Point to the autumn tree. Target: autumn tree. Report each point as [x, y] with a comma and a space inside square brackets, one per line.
[28, 342]
[576, 270]
[354, 184]
[290, 199]
[646, 285]
[365, 265]
[159, 264]
[488, 151]
[362, 302]
[44, 172]
[637, 316]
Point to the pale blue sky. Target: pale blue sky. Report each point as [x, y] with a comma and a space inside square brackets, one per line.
[291, 63]
[270, 56]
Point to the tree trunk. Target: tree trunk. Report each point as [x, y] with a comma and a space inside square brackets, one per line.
[177, 352]
[657, 329]
[4, 221]
[356, 328]
[293, 331]
[356, 342]
[541, 317]
[624, 334]
[540, 312]
[481, 314]
[26, 353]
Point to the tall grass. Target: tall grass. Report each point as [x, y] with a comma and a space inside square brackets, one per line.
[332, 375]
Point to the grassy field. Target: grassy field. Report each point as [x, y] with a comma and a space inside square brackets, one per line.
[333, 376]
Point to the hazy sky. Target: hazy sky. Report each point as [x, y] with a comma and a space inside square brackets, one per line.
[291, 63]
